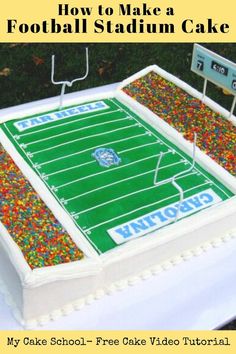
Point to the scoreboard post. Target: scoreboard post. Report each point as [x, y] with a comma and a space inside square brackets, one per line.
[215, 68]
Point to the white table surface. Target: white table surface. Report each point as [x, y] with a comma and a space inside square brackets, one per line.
[197, 294]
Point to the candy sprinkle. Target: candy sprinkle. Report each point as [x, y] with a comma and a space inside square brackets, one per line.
[216, 135]
[30, 223]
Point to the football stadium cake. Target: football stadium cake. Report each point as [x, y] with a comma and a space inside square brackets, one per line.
[111, 187]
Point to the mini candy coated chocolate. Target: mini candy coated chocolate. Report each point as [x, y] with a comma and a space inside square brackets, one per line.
[216, 135]
[30, 223]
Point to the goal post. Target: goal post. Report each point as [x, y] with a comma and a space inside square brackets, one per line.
[65, 83]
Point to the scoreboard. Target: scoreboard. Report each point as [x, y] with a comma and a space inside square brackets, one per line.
[214, 68]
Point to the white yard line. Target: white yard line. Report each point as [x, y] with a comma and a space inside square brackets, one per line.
[154, 134]
[107, 171]
[143, 207]
[124, 196]
[70, 168]
[84, 138]
[66, 123]
[76, 130]
[23, 152]
[94, 161]
[92, 147]
[137, 147]
[211, 181]
[121, 181]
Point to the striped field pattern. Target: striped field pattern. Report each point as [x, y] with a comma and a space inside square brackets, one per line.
[99, 198]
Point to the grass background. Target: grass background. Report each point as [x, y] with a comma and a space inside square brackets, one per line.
[25, 69]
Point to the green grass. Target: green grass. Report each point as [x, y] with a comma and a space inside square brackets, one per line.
[109, 63]
[99, 198]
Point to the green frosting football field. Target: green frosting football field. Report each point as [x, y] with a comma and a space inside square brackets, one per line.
[98, 198]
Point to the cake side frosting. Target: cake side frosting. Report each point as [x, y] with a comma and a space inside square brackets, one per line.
[187, 114]
[40, 237]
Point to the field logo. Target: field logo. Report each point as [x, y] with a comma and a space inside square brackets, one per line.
[162, 217]
[62, 114]
[106, 157]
